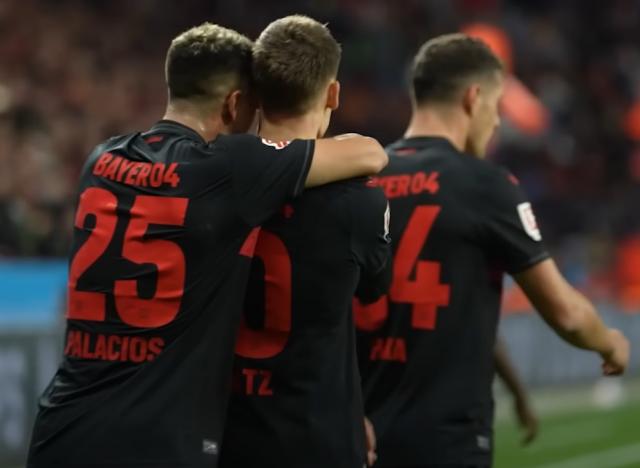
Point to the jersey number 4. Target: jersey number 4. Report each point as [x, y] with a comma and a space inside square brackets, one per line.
[424, 292]
[165, 255]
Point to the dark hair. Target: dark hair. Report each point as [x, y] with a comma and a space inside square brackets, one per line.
[445, 64]
[205, 61]
[293, 59]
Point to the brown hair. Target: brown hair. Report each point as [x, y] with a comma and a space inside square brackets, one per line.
[205, 61]
[293, 59]
[445, 64]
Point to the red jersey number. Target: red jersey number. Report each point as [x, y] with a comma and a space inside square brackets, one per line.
[424, 292]
[270, 341]
[166, 255]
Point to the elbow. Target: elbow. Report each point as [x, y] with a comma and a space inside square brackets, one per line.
[377, 157]
[569, 319]
[382, 162]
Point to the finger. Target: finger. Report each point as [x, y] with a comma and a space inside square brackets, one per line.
[530, 433]
[611, 369]
[530, 436]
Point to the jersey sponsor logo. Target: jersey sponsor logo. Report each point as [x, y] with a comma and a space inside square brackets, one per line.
[209, 447]
[103, 347]
[389, 349]
[529, 222]
[136, 173]
[276, 144]
[404, 185]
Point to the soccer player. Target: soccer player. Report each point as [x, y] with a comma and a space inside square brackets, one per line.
[297, 399]
[459, 222]
[159, 266]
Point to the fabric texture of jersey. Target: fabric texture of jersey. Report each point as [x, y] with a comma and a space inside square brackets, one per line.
[426, 349]
[158, 270]
[297, 401]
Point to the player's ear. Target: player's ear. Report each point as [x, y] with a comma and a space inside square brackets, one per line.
[471, 99]
[231, 106]
[333, 95]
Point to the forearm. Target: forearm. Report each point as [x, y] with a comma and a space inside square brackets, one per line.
[573, 316]
[345, 157]
[566, 310]
[584, 328]
[506, 372]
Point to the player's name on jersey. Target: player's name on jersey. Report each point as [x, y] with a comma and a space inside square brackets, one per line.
[137, 173]
[404, 185]
[98, 346]
[252, 382]
[389, 349]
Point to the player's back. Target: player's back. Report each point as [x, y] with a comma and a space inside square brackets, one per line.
[426, 349]
[155, 289]
[297, 399]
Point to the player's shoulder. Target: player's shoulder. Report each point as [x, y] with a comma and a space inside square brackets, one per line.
[423, 153]
[492, 177]
[358, 188]
[363, 196]
[244, 141]
[118, 143]
[345, 200]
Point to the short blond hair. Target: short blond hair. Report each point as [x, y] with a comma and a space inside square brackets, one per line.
[293, 59]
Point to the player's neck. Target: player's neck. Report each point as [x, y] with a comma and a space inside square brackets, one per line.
[446, 125]
[207, 127]
[281, 127]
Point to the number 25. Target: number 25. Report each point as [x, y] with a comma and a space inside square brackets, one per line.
[166, 255]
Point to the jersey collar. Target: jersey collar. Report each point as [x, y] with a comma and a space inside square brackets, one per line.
[175, 128]
[423, 142]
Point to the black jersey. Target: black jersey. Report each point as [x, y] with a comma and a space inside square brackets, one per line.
[426, 349]
[297, 401]
[158, 270]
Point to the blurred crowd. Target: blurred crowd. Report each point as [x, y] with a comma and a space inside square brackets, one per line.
[73, 72]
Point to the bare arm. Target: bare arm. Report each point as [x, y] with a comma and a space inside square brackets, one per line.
[344, 157]
[572, 315]
[370, 434]
[524, 412]
[507, 373]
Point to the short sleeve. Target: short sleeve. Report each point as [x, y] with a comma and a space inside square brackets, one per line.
[370, 241]
[265, 174]
[508, 222]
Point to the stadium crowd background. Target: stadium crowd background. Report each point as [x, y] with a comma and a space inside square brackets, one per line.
[73, 72]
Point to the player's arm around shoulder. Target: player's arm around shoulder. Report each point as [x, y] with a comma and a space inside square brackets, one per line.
[370, 242]
[344, 157]
[264, 174]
